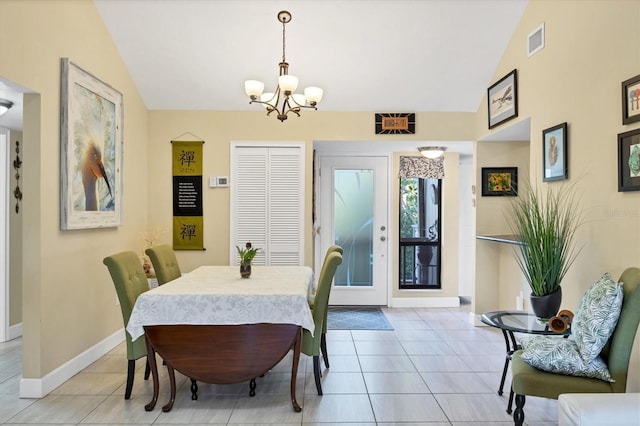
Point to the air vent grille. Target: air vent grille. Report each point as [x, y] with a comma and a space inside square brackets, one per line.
[535, 40]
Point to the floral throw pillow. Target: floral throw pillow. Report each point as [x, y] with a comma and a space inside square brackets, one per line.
[560, 355]
[597, 316]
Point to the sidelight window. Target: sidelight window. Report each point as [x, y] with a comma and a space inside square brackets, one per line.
[420, 233]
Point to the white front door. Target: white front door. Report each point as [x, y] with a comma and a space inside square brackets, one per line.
[353, 214]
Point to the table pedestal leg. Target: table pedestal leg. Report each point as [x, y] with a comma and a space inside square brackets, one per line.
[294, 370]
[172, 384]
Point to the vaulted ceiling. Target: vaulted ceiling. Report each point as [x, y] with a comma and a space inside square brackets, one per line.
[367, 55]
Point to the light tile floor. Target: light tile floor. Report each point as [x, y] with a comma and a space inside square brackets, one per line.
[434, 369]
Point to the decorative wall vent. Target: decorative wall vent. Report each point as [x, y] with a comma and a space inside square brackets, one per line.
[535, 40]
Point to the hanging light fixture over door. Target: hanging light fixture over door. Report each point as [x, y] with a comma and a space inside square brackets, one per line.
[432, 152]
[5, 105]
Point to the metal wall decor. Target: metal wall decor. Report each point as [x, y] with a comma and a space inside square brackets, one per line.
[17, 163]
[395, 123]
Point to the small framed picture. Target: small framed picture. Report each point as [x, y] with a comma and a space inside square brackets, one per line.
[499, 181]
[631, 100]
[629, 161]
[554, 153]
[502, 98]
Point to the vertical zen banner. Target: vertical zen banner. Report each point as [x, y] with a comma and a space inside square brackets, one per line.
[187, 195]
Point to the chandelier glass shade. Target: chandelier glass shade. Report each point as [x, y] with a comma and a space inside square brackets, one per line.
[5, 105]
[432, 152]
[283, 100]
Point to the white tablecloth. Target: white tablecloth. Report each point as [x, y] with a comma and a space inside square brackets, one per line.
[217, 295]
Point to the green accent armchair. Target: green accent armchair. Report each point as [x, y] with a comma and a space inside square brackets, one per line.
[311, 344]
[130, 281]
[616, 354]
[164, 263]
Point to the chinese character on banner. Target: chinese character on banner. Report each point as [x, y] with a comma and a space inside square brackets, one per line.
[187, 195]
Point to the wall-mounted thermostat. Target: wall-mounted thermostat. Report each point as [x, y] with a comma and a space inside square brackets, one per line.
[223, 181]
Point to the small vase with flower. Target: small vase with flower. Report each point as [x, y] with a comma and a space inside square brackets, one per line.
[246, 257]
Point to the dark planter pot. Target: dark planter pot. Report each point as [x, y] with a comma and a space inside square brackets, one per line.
[245, 271]
[545, 307]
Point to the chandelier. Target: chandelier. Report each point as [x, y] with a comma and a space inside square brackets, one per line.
[283, 100]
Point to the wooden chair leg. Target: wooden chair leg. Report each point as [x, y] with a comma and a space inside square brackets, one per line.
[194, 390]
[316, 373]
[252, 387]
[131, 370]
[323, 348]
[518, 414]
[147, 370]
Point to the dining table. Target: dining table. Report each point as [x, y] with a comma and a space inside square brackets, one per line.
[214, 326]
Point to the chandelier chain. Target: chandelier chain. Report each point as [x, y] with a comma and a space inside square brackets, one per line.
[283, 40]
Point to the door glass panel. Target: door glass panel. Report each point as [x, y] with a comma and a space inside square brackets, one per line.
[353, 224]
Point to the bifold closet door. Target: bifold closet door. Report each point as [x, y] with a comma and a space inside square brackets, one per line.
[267, 203]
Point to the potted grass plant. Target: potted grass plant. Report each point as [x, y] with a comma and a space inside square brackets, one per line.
[246, 257]
[545, 225]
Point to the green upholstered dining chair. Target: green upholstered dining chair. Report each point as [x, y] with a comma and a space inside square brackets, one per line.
[311, 344]
[526, 380]
[323, 339]
[130, 281]
[164, 263]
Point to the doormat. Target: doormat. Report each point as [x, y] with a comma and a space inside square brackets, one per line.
[357, 318]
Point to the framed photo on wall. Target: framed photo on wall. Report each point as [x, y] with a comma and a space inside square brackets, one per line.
[554, 153]
[502, 98]
[91, 142]
[631, 100]
[629, 161]
[499, 181]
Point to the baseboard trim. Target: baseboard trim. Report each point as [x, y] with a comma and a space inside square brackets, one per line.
[39, 388]
[15, 331]
[474, 319]
[425, 302]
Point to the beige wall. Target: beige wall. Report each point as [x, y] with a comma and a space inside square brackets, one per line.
[68, 298]
[576, 78]
[590, 48]
[218, 129]
[498, 278]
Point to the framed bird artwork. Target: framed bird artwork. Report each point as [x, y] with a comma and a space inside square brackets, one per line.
[502, 98]
[90, 150]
